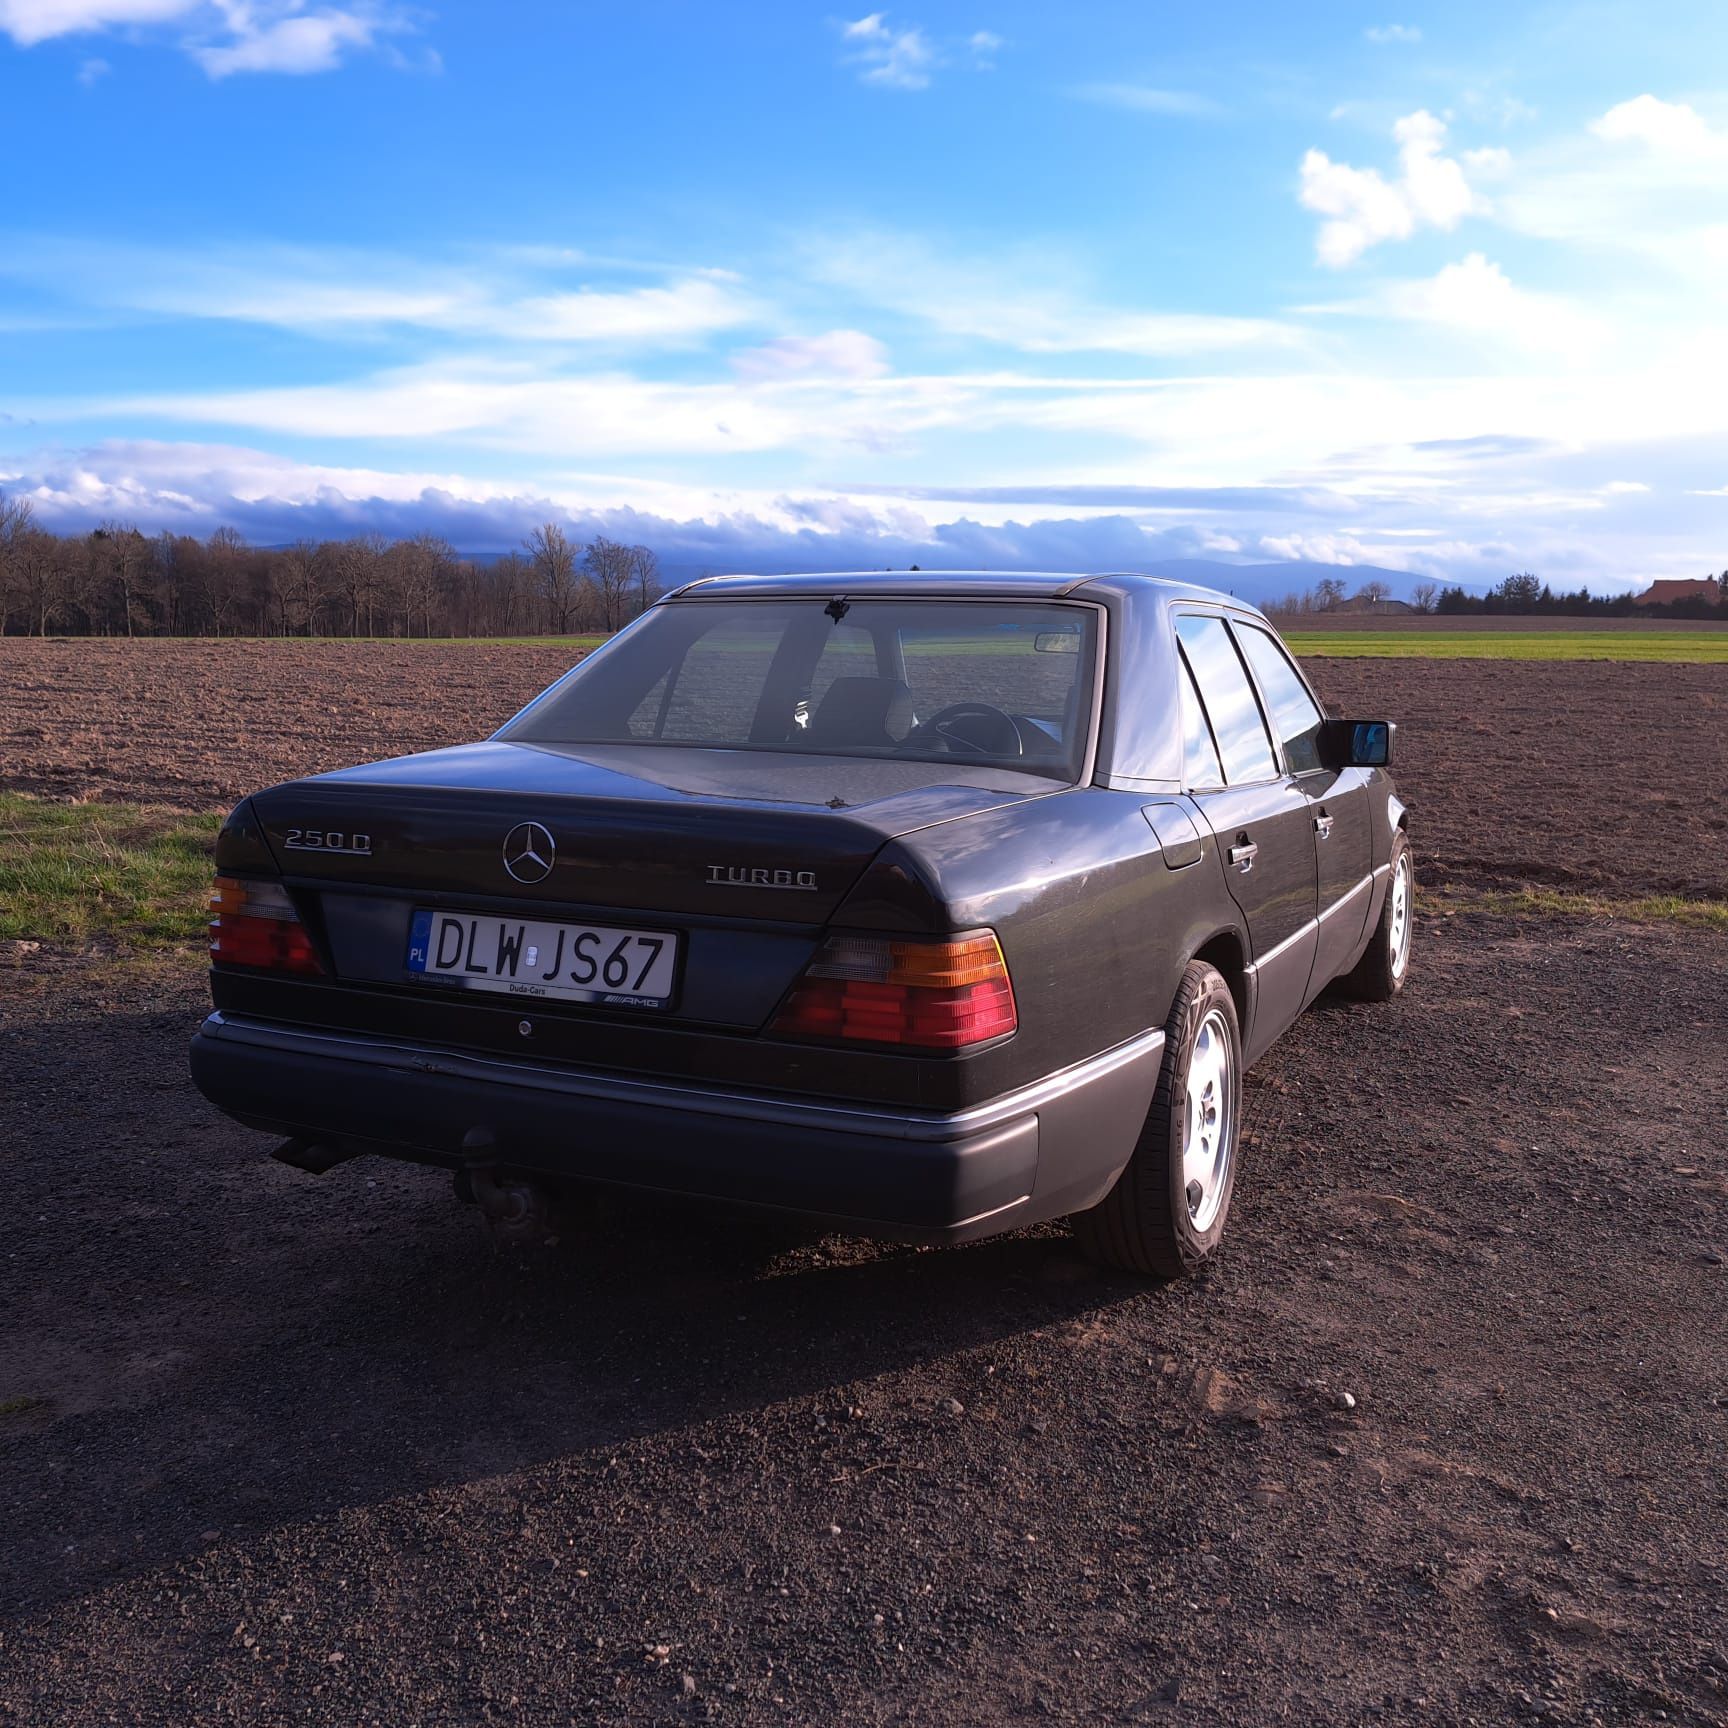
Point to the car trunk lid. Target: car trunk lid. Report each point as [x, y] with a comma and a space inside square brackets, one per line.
[733, 833]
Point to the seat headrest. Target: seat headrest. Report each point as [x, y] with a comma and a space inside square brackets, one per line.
[862, 711]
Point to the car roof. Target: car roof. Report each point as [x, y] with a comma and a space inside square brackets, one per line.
[982, 584]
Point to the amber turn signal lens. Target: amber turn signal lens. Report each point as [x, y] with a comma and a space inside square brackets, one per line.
[919, 994]
[254, 924]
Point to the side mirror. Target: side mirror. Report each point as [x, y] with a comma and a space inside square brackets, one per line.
[1356, 743]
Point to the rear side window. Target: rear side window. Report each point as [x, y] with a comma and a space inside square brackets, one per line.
[1231, 704]
[1294, 716]
[1199, 754]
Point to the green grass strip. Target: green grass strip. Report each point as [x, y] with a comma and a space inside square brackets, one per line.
[73, 873]
[1695, 647]
[1572, 903]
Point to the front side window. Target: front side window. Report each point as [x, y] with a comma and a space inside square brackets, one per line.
[1294, 715]
[1231, 704]
[1004, 682]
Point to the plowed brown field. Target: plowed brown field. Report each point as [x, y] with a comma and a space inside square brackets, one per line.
[1596, 775]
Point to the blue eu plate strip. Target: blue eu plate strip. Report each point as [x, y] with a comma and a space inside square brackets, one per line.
[419, 938]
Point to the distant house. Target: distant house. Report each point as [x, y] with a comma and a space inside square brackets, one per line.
[1668, 588]
[1359, 603]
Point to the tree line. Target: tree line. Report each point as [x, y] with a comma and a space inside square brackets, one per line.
[1526, 594]
[117, 581]
[1523, 594]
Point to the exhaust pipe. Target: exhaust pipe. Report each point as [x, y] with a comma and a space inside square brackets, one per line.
[315, 1157]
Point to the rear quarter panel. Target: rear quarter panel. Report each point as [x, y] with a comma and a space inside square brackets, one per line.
[1094, 927]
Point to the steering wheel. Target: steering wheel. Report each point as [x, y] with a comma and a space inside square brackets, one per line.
[941, 724]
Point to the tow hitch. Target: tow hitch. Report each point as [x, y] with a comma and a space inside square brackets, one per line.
[517, 1212]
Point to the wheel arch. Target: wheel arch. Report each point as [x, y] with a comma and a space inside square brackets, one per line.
[1225, 953]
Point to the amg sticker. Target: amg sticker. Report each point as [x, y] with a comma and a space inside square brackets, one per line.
[328, 840]
[746, 876]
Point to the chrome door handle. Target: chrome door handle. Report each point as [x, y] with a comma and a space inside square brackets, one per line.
[1243, 856]
[1323, 824]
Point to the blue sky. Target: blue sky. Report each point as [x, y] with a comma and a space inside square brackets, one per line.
[1442, 289]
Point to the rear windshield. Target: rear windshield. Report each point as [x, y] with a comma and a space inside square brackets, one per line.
[1004, 682]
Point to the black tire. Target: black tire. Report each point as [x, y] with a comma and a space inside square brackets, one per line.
[1379, 975]
[1145, 1223]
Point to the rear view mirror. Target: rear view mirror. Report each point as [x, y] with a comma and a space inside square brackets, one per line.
[1356, 743]
[1056, 642]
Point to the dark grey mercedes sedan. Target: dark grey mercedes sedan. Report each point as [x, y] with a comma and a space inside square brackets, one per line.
[933, 905]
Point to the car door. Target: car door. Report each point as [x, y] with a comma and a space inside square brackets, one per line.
[1261, 819]
[1338, 801]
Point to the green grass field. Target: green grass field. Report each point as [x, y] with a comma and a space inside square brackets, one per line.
[76, 873]
[1707, 647]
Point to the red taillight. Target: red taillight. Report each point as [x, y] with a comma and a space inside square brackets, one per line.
[919, 994]
[255, 924]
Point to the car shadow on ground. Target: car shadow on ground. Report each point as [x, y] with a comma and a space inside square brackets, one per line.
[253, 1347]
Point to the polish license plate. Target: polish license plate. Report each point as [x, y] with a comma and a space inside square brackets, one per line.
[524, 957]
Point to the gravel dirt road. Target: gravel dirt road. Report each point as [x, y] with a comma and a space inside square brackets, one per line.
[1439, 1440]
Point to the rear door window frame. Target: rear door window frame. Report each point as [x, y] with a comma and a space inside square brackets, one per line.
[1280, 768]
[1236, 625]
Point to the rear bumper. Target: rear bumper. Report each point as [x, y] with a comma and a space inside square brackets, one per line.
[1046, 1149]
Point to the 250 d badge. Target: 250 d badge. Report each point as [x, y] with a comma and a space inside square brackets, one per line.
[328, 840]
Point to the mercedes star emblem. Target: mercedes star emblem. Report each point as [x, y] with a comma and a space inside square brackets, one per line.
[528, 852]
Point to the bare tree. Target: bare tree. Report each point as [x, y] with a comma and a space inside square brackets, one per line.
[1374, 591]
[42, 579]
[302, 581]
[612, 569]
[358, 575]
[508, 581]
[554, 563]
[224, 560]
[16, 520]
[1424, 594]
[1328, 591]
[645, 573]
[168, 577]
[428, 562]
[119, 557]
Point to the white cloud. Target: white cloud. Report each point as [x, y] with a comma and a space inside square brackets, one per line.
[92, 71]
[1362, 208]
[1492, 162]
[498, 295]
[1384, 33]
[1144, 99]
[1477, 298]
[223, 36]
[290, 42]
[1672, 129]
[1018, 301]
[838, 354]
[1648, 180]
[900, 59]
[985, 46]
[682, 311]
[484, 403]
[28, 22]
